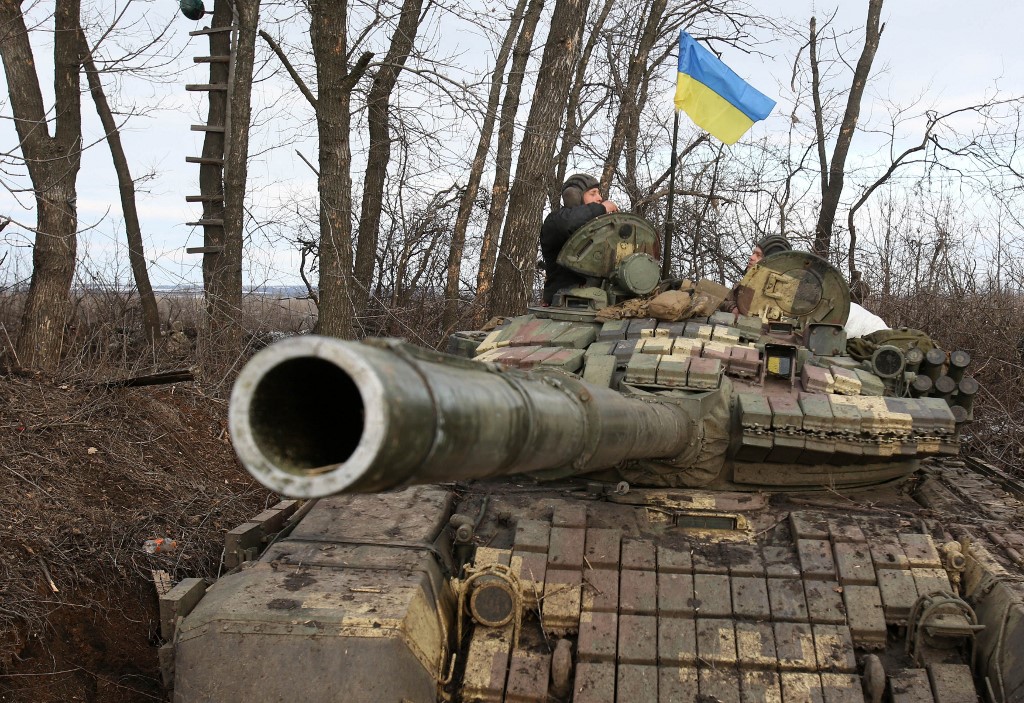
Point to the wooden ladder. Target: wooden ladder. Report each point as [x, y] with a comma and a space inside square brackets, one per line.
[211, 188]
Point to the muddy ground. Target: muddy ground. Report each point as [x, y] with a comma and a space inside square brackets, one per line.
[87, 474]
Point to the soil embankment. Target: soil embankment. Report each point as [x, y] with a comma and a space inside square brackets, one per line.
[87, 474]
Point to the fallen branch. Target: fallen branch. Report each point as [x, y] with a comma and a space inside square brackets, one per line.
[152, 379]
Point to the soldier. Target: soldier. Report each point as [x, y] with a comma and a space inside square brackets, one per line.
[581, 202]
[766, 246]
[860, 322]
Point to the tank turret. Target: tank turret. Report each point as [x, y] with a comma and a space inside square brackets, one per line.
[628, 495]
[763, 397]
[617, 256]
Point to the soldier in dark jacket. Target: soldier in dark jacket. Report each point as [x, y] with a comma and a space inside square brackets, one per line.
[581, 202]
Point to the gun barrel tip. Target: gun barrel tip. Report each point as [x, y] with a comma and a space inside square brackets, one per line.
[298, 417]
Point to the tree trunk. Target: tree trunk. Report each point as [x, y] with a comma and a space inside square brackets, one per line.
[328, 31]
[126, 186]
[630, 151]
[503, 154]
[834, 190]
[516, 260]
[819, 116]
[454, 264]
[236, 160]
[52, 164]
[626, 122]
[574, 122]
[379, 154]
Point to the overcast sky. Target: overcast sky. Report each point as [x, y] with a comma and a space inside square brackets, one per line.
[950, 54]
[946, 54]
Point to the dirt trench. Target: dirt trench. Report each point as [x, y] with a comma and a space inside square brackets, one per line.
[87, 474]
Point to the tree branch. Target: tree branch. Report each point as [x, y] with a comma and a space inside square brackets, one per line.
[303, 88]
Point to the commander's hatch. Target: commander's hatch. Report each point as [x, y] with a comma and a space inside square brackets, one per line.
[619, 247]
[796, 285]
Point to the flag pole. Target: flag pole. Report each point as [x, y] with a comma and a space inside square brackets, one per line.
[666, 261]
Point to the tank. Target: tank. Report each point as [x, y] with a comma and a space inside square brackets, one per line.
[629, 495]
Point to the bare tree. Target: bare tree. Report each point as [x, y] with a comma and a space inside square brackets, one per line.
[336, 80]
[637, 46]
[223, 166]
[833, 174]
[220, 306]
[53, 163]
[415, 256]
[976, 157]
[451, 288]
[126, 187]
[236, 163]
[503, 154]
[582, 105]
[515, 268]
[379, 154]
[629, 88]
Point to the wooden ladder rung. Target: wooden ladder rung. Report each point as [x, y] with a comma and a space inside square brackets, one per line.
[212, 59]
[204, 250]
[207, 128]
[206, 86]
[204, 198]
[206, 223]
[211, 30]
[204, 161]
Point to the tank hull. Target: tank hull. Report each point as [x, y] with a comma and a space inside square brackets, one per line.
[663, 594]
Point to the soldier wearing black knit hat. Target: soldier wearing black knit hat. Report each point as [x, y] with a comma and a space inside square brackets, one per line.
[768, 245]
[581, 202]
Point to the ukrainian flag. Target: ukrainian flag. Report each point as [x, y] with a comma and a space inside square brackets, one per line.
[714, 97]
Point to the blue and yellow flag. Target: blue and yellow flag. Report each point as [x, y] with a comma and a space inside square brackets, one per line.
[714, 97]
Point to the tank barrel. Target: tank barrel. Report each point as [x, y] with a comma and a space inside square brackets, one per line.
[315, 416]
